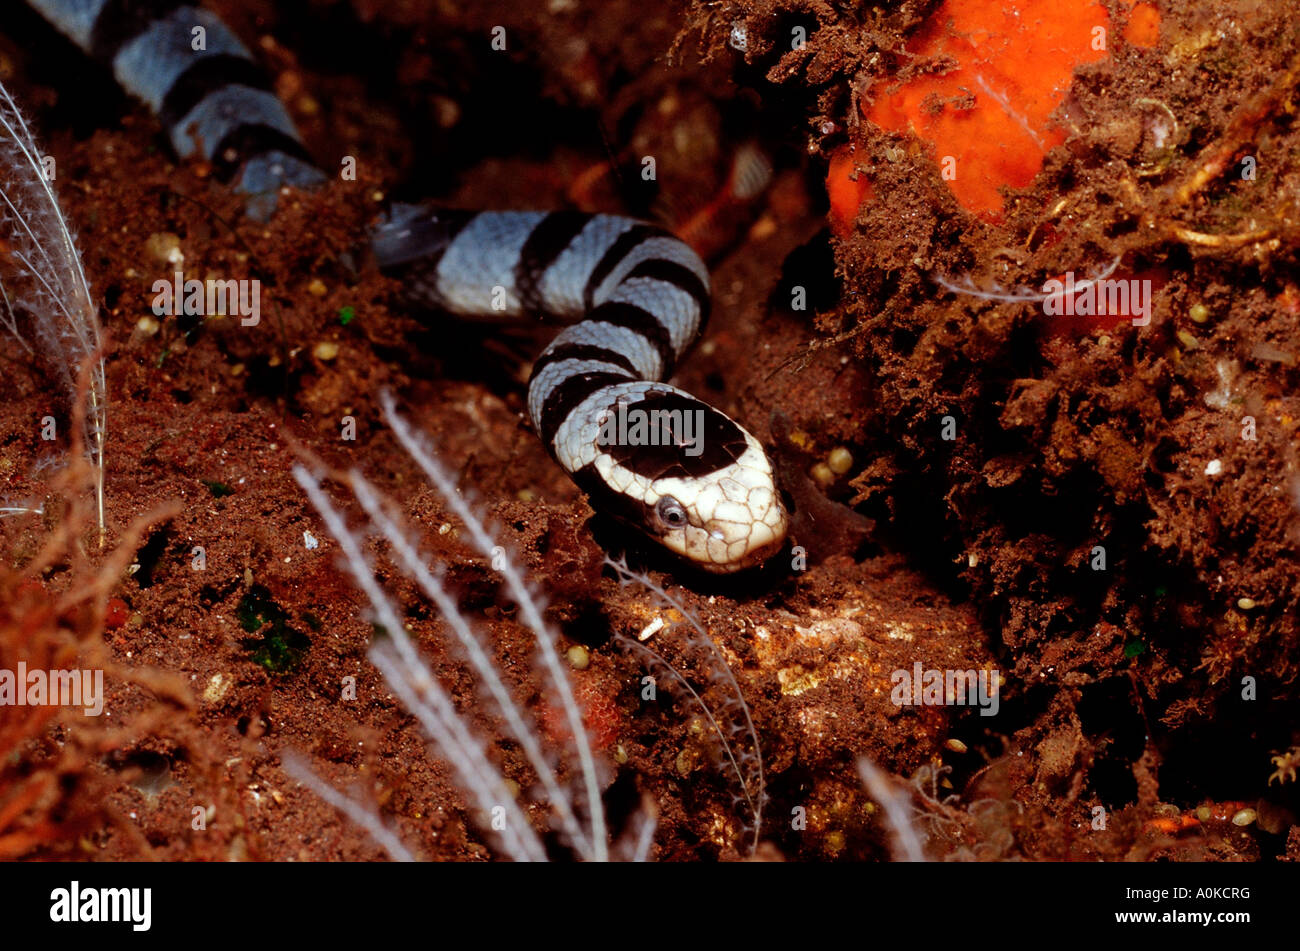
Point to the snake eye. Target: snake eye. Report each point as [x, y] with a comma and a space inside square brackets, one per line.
[671, 512]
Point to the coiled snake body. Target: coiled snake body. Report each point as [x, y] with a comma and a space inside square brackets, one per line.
[682, 472]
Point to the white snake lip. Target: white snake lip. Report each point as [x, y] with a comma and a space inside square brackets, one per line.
[767, 538]
[757, 555]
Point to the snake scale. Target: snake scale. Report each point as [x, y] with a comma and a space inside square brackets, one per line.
[644, 452]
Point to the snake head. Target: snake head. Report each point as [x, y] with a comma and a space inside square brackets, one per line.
[686, 475]
[727, 521]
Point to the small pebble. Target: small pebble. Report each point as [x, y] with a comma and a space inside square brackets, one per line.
[800, 439]
[651, 629]
[326, 350]
[1213, 468]
[217, 688]
[1266, 351]
[446, 111]
[840, 460]
[620, 754]
[164, 247]
[579, 659]
[739, 38]
[317, 287]
[1275, 820]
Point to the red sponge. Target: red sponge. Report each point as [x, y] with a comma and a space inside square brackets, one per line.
[987, 115]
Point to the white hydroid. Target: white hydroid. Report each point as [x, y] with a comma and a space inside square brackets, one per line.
[43, 288]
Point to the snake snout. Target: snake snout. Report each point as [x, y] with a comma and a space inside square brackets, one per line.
[736, 540]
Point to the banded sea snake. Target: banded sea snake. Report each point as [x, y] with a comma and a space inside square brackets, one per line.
[641, 295]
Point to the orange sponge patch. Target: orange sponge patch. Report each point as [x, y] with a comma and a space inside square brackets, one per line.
[987, 114]
[1143, 26]
[847, 188]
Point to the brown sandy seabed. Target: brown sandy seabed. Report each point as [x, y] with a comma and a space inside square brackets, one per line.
[980, 555]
